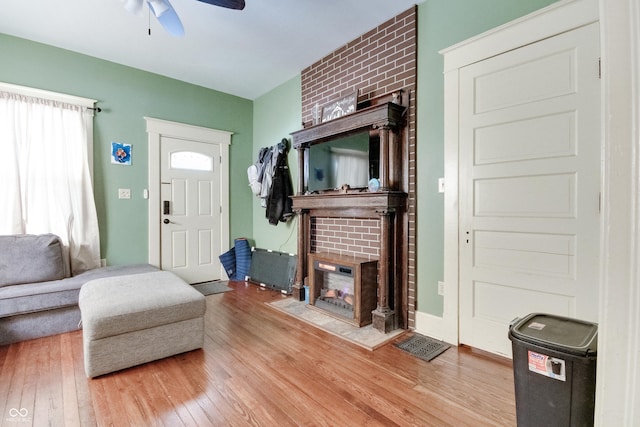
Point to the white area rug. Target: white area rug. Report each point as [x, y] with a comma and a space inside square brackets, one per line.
[366, 336]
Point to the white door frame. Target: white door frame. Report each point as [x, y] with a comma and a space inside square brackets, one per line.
[618, 371]
[547, 22]
[156, 129]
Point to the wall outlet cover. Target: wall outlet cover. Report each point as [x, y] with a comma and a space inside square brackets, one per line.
[124, 193]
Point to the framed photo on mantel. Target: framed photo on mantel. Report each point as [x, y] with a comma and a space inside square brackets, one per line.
[340, 107]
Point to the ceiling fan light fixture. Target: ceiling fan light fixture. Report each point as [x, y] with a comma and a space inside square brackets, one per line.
[159, 7]
[133, 6]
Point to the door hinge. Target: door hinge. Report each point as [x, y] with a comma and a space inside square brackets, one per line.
[600, 202]
[600, 68]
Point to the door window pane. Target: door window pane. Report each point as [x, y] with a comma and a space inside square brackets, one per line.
[191, 161]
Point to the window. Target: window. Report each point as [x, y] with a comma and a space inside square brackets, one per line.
[45, 170]
[191, 161]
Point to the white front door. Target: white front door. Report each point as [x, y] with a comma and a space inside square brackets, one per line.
[529, 186]
[190, 204]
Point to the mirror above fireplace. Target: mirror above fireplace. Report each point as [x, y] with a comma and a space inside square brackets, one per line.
[351, 161]
[373, 130]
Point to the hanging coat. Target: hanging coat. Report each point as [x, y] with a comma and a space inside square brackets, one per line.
[268, 159]
[279, 203]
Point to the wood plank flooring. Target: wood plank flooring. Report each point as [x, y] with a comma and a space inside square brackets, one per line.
[258, 367]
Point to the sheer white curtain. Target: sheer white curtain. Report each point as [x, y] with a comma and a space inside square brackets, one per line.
[350, 167]
[46, 184]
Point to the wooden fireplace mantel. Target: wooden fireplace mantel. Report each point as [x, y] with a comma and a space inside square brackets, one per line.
[351, 205]
[378, 116]
[384, 121]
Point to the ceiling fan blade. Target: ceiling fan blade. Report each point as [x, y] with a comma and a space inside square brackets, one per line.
[159, 7]
[229, 4]
[167, 16]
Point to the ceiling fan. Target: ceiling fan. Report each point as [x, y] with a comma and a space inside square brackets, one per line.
[168, 17]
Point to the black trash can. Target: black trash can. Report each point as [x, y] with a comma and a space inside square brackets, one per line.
[554, 368]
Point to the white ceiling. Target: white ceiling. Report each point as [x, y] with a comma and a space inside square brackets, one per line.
[245, 53]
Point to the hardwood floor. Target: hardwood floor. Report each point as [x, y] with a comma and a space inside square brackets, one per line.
[258, 367]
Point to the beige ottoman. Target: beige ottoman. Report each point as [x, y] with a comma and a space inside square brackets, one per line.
[134, 319]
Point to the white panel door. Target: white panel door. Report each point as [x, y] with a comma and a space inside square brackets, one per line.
[529, 186]
[190, 191]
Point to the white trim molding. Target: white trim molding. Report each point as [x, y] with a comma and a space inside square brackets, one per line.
[557, 18]
[430, 325]
[618, 371]
[156, 129]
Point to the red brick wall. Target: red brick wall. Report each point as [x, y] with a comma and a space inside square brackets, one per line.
[377, 63]
[358, 237]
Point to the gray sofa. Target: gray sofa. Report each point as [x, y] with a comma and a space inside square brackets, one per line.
[37, 296]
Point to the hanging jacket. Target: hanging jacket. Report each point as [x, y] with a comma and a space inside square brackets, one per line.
[279, 203]
[268, 158]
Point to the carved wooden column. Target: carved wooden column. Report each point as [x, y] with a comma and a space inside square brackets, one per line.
[304, 228]
[302, 153]
[383, 317]
[395, 164]
[384, 158]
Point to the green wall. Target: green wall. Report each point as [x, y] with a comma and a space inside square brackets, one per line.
[443, 23]
[126, 95]
[276, 115]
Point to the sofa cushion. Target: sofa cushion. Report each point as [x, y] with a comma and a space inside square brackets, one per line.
[27, 258]
[29, 297]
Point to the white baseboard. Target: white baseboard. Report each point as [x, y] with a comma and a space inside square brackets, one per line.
[430, 325]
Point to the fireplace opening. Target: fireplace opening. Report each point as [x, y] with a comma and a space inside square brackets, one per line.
[337, 292]
[343, 287]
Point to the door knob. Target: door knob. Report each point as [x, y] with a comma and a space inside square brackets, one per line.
[166, 221]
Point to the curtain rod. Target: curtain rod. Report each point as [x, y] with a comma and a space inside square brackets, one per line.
[96, 109]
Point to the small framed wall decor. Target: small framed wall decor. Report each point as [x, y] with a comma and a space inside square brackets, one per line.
[340, 107]
[120, 153]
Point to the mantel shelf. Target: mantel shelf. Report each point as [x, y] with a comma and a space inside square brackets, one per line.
[388, 114]
[352, 201]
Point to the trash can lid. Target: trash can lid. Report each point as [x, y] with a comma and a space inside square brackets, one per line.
[558, 333]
